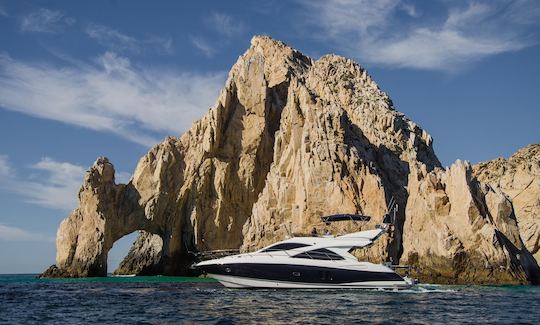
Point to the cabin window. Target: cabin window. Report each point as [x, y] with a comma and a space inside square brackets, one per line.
[284, 247]
[320, 254]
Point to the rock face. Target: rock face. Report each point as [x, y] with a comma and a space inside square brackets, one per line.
[87, 235]
[519, 178]
[290, 139]
[341, 147]
[461, 231]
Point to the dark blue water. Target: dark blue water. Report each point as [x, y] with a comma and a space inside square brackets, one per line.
[176, 300]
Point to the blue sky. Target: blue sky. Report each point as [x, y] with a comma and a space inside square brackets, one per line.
[80, 80]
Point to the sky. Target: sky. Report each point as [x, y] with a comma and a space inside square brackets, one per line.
[79, 80]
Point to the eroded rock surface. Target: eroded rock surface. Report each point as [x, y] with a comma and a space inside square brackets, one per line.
[289, 139]
[106, 213]
[341, 148]
[519, 178]
[458, 230]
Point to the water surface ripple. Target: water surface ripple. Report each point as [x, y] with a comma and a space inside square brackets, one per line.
[175, 300]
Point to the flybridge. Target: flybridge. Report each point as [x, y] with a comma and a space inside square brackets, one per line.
[344, 217]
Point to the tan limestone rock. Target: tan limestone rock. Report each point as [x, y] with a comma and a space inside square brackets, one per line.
[289, 139]
[461, 231]
[519, 178]
[105, 211]
[341, 148]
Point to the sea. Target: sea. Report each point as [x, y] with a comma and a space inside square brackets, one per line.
[25, 299]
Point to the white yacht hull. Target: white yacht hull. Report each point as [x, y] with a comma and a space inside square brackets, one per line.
[242, 282]
[306, 263]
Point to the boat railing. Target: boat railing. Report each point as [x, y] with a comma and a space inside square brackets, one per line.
[210, 255]
[309, 254]
[407, 268]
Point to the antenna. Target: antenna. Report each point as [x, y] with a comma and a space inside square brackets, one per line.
[288, 229]
[390, 205]
[390, 216]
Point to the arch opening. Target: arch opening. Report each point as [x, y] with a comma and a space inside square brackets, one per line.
[138, 253]
[119, 251]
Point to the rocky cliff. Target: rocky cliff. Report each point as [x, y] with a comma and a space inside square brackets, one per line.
[291, 139]
[519, 178]
[459, 230]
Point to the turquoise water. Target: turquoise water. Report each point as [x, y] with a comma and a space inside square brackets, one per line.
[25, 299]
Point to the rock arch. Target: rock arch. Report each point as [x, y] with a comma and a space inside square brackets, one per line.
[143, 257]
[107, 212]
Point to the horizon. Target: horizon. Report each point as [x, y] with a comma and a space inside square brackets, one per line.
[81, 80]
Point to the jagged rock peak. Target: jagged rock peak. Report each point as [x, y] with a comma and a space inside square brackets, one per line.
[101, 172]
[519, 178]
[459, 230]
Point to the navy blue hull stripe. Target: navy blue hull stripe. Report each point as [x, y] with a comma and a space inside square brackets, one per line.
[298, 273]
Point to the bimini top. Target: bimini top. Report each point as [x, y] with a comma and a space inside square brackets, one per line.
[344, 217]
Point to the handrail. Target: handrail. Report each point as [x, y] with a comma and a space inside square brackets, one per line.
[311, 254]
[272, 253]
[215, 253]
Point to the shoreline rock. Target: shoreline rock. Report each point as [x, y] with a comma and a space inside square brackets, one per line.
[519, 178]
[461, 231]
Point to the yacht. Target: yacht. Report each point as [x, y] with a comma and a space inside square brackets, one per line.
[322, 262]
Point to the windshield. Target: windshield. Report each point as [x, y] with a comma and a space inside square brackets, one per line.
[320, 254]
[284, 247]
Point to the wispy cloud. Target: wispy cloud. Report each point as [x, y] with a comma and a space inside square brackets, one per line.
[8, 233]
[112, 95]
[120, 42]
[375, 33]
[45, 21]
[48, 183]
[409, 9]
[225, 24]
[4, 166]
[3, 11]
[202, 45]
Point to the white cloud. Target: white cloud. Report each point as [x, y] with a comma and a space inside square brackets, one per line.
[50, 183]
[374, 33]
[56, 188]
[16, 234]
[225, 24]
[4, 166]
[409, 9]
[349, 16]
[120, 42]
[112, 95]
[45, 21]
[202, 45]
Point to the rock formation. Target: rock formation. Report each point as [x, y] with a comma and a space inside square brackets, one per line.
[458, 230]
[341, 147]
[519, 178]
[290, 139]
[85, 237]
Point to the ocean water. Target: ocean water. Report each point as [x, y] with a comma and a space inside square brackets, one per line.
[180, 300]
